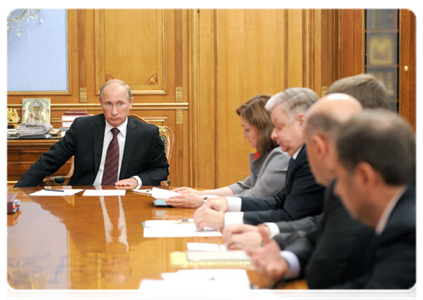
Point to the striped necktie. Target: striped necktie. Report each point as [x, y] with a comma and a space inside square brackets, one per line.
[111, 165]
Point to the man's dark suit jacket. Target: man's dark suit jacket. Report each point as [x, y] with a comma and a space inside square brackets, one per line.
[143, 154]
[335, 250]
[301, 197]
[391, 263]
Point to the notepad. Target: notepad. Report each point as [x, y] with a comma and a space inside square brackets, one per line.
[175, 228]
[231, 255]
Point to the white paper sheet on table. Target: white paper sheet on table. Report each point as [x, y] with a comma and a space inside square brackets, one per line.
[204, 283]
[52, 192]
[175, 228]
[162, 193]
[104, 193]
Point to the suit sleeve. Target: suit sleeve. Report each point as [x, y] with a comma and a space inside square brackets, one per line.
[305, 199]
[271, 180]
[157, 168]
[50, 161]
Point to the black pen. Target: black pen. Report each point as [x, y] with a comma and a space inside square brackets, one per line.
[53, 190]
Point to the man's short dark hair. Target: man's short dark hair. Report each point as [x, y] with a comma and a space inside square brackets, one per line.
[367, 89]
[382, 139]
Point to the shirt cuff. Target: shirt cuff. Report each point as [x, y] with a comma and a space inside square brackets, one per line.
[139, 182]
[293, 262]
[232, 218]
[234, 203]
[274, 229]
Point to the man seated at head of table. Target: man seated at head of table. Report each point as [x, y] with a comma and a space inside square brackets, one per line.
[109, 149]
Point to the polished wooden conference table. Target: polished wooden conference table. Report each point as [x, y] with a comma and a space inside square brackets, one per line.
[59, 242]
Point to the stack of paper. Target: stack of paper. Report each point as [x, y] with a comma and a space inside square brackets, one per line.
[203, 280]
[208, 252]
[175, 228]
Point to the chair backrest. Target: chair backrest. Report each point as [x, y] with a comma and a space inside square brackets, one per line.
[166, 134]
[60, 180]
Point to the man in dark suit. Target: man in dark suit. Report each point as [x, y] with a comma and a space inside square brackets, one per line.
[139, 160]
[375, 171]
[301, 196]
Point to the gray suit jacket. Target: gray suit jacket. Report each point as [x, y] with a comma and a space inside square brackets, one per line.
[267, 175]
[143, 154]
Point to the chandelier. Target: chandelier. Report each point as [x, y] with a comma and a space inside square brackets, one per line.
[22, 17]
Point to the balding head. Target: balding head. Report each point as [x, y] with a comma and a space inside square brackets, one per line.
[323, 121]
[327, 114]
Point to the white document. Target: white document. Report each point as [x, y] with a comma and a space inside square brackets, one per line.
[214, 281]
[104, 193]
[162, 193]
[209, 256]
[206, 247]
[56, 192]
[175, 228]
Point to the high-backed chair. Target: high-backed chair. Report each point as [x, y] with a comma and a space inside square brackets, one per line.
[166, 134]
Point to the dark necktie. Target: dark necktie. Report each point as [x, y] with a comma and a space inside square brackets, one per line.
[290, 164]
[111, 165]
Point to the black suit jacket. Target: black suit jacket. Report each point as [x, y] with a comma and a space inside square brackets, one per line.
[335, 250]
[301, 197]
[392, 259]
[143, 154]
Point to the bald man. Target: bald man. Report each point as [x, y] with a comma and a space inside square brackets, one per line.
[334, 251]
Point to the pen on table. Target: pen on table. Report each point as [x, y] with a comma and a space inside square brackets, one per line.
[53, 190]
[183, 221]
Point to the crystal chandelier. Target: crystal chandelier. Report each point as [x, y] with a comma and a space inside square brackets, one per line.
[22, 17]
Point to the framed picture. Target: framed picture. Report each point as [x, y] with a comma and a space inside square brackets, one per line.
[36, 110]
[381, 49]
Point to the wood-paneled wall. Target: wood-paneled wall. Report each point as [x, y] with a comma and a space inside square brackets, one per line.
[191, 69]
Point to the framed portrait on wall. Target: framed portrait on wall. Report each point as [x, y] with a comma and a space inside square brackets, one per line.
[381, 49]
[36, 110]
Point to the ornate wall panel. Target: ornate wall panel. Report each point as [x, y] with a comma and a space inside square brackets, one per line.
[130, 46]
